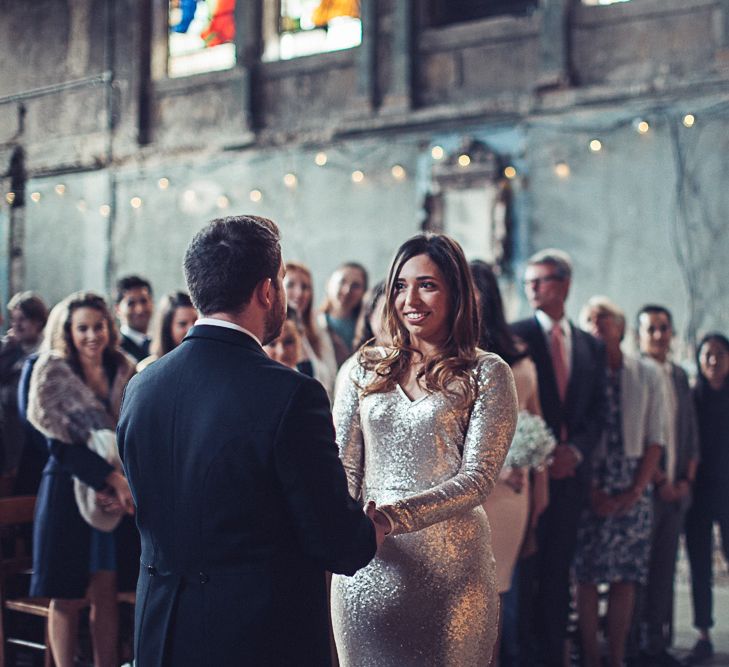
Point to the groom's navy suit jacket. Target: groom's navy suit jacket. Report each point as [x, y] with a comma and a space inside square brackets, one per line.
[242, 505]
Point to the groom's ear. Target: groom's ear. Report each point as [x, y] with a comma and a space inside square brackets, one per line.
[263, 293]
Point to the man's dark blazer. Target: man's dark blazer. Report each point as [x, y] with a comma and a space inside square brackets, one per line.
[139, 352]
[583, 415]
[242, 505]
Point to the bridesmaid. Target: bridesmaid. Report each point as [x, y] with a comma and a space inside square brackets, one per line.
[508, 506]
[423, 426]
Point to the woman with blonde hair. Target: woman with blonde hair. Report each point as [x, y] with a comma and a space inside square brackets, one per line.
[75, 394]
[316, 344]
[423, 426]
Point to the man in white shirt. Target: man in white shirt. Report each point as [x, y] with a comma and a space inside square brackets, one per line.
[134, 309]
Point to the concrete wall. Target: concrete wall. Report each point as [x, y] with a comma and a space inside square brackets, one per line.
[643, 218]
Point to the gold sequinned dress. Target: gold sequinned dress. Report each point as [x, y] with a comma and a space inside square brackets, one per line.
[429, 597]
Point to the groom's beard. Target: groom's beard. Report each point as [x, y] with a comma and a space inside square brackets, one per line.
[275, 319]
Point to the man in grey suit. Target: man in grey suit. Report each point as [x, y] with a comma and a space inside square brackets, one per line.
[672, 485]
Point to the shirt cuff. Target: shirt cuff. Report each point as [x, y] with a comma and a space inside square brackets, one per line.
[389, 518]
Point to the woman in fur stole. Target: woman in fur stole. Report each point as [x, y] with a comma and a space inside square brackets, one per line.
[75, 392]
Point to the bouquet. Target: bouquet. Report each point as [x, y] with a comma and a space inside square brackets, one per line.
[533, 442]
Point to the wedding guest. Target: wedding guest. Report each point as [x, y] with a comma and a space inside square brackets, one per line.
[571, 372]
[27, 314]
[174, 317]
[710, 502]
[423, 425]
[341, 308]
[672, 484]
[134, 309]
[614, 536]
[512, 505]
[287, 347]
[317, 346]
[369, 327]
[75, 392]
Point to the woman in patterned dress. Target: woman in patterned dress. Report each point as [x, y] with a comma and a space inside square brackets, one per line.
[613, 542]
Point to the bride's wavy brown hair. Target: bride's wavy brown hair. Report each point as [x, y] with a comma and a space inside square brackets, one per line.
[448, 371]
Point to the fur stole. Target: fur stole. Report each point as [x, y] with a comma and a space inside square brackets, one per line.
[63, 407]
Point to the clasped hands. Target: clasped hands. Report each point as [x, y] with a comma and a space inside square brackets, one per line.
[117, 494]
[605, 504]
[379, 520]
[564, 462]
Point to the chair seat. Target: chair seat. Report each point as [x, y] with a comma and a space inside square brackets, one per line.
[33, 606]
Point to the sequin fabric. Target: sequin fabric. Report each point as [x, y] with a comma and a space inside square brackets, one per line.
[429, 597]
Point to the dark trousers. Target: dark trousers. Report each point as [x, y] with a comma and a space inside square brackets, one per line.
[557, 538]
[656, 599]
[700, 547]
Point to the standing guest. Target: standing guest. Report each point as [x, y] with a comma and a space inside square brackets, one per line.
[369, 327]
[174, 317]
[75, 390]
[571, 373]
[423, 427]
[341, 308]
[317, 347]
[508, 506]
[672, 484]
[287, 347]
[28, 314]
[242, 502]
[134, 310]
[614, 537]
[711, 492]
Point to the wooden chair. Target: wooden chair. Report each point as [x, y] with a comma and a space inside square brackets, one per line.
[16, 518]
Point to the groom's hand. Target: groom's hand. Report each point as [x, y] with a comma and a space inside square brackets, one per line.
[380, 522]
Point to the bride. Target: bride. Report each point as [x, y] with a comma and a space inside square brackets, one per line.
[423, 427]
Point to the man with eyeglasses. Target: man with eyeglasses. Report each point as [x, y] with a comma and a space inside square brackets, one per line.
[571, 371]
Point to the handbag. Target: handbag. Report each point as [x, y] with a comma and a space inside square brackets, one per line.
[103, 443]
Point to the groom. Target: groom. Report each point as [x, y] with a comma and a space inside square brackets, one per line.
[242, 502]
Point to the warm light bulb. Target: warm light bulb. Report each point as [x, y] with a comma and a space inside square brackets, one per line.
[35, 196]
[510, 172]
[10, 197]
[105, 210]
[398, 172]
[81, 205]
[60, 189]
[464, 160]
[437, 152]
[136, 202]
[255, 195]
[643, 127]
[163, 183]
[290, 180]
[596, 145]
[689, 119]
[358, 176]
[562, 169]
[321, 159]
[222, 202]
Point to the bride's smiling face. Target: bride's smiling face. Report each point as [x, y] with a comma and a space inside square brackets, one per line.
[422, 302]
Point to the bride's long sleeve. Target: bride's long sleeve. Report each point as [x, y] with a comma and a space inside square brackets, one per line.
[348, 426]
[488, 436]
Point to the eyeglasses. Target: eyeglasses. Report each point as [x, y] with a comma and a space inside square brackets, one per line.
[536, 282]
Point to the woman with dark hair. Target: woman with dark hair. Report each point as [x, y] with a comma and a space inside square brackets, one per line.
[75, 393]
[423, 426]
[174, 318]
[317, 347]
[711, 491]
[518, 489]
[341, 308]
[369, 323]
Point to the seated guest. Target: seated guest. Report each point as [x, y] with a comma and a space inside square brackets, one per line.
[317, 345]
[613, 539]
[175, 316]
[134, 310]
[339, 313]
[711, 492]
[28, 315]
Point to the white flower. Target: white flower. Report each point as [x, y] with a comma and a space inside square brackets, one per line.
[533, 442]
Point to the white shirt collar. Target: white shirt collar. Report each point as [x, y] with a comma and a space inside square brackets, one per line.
[135, 336]
[215, 322]
[547, 323]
